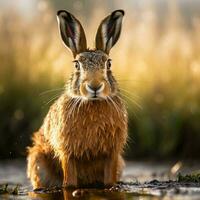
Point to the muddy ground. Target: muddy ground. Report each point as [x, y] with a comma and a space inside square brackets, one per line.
[140, 181]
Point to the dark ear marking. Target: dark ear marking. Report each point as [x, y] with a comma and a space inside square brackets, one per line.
[109, 31]
[71, 32]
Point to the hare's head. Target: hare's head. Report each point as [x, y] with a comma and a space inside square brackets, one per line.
[92, 78]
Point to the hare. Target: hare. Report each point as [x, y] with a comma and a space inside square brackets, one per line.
[82, 138]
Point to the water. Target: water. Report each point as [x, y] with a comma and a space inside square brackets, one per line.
[139, 182]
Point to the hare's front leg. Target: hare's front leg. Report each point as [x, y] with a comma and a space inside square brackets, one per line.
[110, 170]
[69, 172]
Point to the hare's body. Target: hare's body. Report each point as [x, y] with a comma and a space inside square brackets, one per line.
[89, 142]
[83, 135]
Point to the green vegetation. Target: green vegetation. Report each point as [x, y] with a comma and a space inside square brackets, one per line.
[4, 189]
[189, 178]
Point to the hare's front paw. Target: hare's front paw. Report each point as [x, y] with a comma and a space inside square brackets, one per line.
[110, 171]
[69, 185]
[70, 181]
[69, 173]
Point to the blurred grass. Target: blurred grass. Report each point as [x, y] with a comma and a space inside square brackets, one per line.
[158, 67]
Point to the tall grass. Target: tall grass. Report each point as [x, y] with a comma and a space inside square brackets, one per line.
[157, 66]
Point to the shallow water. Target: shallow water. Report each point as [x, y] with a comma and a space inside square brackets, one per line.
[139, 182]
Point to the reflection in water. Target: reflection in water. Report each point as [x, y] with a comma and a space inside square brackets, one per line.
[87, 194]
[153, 190]
[92, 195]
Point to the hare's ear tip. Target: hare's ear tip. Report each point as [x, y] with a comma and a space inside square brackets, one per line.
[118, 12]
[60, 12]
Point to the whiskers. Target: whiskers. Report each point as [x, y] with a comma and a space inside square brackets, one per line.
[57, 93]
[131, 100]
[51, 90]
[74, 105]
[110, 101]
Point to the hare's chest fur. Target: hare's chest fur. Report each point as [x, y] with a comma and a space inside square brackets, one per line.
[90, 129]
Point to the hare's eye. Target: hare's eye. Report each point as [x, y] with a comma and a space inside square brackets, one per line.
[77, 64]
[108, 64]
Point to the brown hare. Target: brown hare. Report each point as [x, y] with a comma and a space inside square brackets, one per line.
[81, 140]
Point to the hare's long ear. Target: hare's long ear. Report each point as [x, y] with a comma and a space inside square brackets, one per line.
[109, 31]
[71, 32]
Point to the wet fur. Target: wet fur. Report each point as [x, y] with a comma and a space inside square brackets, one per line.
[92, 134]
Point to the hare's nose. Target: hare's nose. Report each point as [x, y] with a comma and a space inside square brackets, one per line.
[95, 89]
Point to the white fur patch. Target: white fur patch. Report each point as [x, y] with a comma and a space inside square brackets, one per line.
[101, 88]
[89, 89]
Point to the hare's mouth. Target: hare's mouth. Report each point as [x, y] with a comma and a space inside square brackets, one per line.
[94, 98]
